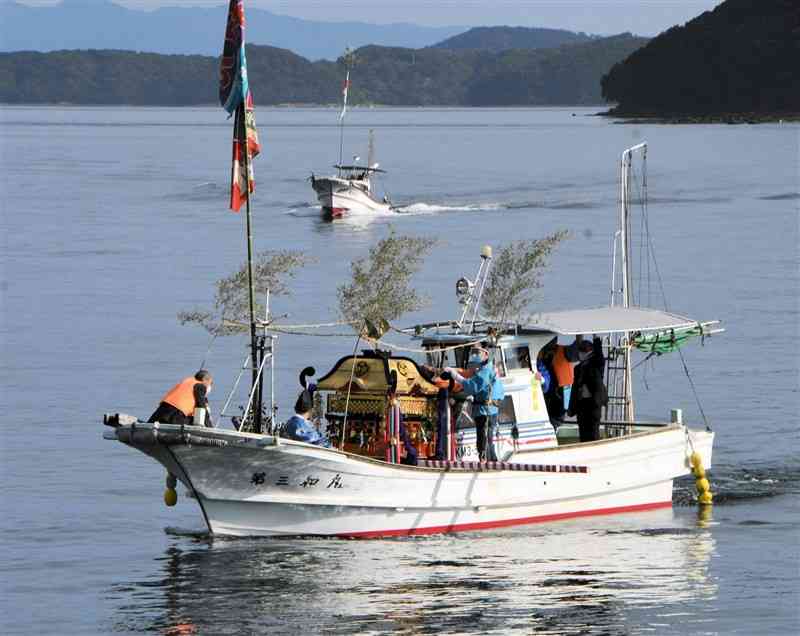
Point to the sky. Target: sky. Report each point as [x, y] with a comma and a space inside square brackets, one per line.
[643, 17]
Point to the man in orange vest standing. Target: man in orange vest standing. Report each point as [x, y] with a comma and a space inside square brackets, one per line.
[565, 357]
[179, 404]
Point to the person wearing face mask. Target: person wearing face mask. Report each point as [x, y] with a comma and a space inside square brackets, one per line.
[565, 357]
[487, 390]
[589, 393]
[186, 402]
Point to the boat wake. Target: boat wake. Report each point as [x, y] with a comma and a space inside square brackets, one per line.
[433, 208]
[785, 196]
[192, 533]
[732, 485]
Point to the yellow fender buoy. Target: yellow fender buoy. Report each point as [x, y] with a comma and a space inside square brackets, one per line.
[704, 496]
[170, 496]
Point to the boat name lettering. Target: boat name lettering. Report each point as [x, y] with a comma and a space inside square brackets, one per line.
[309, 481]
[336, 482]
[258, 478]
[283, 480]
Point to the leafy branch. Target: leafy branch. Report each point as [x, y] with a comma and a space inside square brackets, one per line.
[230, 314]
[516, 275]
[380, 288]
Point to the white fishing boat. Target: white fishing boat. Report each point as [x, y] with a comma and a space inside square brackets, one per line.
[351, 190]
[263, 484]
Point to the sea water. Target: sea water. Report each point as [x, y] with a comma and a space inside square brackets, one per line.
[115, 219]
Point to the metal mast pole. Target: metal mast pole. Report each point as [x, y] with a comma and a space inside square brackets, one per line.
[625, 191]
[256, 401]
[341, 117]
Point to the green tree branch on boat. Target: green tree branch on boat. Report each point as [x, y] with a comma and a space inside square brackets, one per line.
[516, 275]
[380, 287]
[230, 314]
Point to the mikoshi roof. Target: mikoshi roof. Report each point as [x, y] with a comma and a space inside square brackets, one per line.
[605, 320]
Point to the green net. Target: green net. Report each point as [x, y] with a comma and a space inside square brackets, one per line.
[665, 341]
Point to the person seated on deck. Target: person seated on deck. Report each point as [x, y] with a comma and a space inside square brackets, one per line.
[179, 403]
[299, 426]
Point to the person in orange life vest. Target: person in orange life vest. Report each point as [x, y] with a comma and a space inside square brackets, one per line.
[565, 357]
[178, 404]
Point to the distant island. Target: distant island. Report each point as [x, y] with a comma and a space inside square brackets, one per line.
[503, 38]
[433, 76]
[739, 62]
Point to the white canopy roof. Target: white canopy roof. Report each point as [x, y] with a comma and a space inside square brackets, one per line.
[605, 320]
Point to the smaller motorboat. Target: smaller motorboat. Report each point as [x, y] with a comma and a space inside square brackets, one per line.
[349, 192]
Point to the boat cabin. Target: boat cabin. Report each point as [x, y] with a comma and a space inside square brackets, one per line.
[356, 173]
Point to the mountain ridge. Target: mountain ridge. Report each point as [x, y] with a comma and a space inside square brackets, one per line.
[73, 24]
[383, 75]
[736, 58]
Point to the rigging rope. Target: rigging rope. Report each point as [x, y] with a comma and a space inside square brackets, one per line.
[349, 388]
[208, 350]
[291, 330]
[652, 253]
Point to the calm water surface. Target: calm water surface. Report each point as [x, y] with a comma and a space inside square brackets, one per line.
[115, 219]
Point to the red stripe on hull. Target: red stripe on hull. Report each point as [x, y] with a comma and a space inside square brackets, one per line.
[538, 441]
[334, 213]
[485, 525]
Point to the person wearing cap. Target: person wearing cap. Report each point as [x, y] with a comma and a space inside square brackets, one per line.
[299, 426]
[179, 403]
[589, 393]
[480, 381]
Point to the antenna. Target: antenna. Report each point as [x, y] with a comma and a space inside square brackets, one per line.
[470, 293]
[371, 151]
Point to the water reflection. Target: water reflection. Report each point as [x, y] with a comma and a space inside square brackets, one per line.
[607, 575]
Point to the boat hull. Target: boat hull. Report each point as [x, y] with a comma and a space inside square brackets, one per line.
[254, 487]
[339, 198]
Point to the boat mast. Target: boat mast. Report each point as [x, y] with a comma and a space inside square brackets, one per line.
[371, 150]
[255, 387]
[348, 58]
[625, 239]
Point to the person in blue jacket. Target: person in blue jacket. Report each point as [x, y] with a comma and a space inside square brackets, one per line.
[486, 390]
[299, 427]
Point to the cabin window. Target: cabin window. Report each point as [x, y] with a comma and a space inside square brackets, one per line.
[506, 413]
[499, 364]
[518, 358]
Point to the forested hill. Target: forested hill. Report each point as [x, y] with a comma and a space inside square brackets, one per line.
[505, 37]
[742, 57]
[389, 76]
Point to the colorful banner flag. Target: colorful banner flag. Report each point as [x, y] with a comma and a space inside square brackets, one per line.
[345, 88]
[245, 139]
[236, 99]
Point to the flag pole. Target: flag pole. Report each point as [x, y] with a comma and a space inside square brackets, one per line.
[341, 117]
[242, 132]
